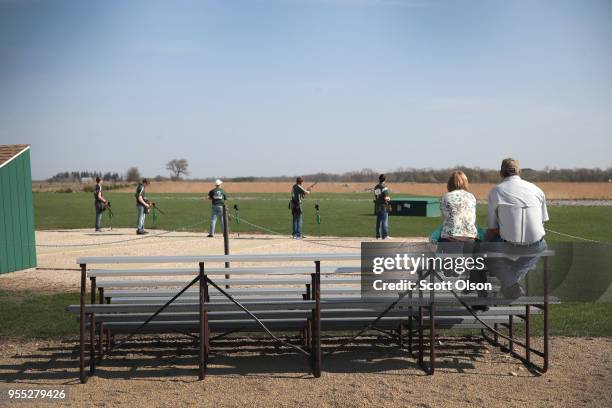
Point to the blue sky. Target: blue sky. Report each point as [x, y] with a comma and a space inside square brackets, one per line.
[271, 87]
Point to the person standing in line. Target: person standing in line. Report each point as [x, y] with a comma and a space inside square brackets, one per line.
[100, 203]
[218, 197]
[142, 206]
[382, 207]
[298, 192]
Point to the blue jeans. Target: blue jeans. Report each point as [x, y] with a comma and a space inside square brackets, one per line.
[297, 223]
[382, 224]
[140, 222]
[98, 218]
[216, 212]
[512, 271]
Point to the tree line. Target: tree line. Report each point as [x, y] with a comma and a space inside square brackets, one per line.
[77, 176]
[179, 167]
[176, 167]
[428, 175]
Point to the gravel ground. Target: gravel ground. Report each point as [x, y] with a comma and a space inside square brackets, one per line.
[370, 373]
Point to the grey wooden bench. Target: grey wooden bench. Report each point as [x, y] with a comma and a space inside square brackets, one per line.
[115, 310]
[330, 299]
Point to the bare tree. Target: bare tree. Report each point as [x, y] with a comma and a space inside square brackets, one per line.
[177, 167]
[133, 174]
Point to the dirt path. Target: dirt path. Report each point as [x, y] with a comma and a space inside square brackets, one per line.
[371, 373]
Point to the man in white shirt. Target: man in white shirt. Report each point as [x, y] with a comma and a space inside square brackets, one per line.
[516, 213]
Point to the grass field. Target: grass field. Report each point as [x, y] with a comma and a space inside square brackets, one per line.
[342, 214]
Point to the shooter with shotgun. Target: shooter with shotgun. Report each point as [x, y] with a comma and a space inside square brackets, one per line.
[382, 205]
[217, 197]
[142, 206]
[100, 203]
[295, 205]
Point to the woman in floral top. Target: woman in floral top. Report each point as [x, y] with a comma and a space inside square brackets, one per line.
[458, 210]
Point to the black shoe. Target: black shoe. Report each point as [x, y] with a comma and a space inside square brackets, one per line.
[210, 236]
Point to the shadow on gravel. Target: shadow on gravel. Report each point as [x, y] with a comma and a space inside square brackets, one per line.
[175, 359]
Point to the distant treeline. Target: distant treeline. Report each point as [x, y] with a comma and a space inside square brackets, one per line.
[475, 175]
[77, 176]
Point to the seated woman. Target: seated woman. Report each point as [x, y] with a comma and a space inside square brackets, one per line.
[458, 210]
[458, 213]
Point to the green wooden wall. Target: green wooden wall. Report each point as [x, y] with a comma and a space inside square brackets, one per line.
[17, 241]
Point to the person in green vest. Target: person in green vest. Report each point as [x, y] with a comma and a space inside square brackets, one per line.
[298, 192]
[100, 203]
[142, 206]
[382, 206]
[218, 197]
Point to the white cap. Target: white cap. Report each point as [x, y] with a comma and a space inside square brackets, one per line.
[218, 182]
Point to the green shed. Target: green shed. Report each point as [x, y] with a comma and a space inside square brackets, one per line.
[17, 241]
[416, 206]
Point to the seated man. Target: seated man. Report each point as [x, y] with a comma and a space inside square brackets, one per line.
[516, 213]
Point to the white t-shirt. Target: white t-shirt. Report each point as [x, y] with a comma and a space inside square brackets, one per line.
[518, 208]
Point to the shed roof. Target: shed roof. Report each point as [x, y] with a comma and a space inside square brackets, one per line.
[8, 152]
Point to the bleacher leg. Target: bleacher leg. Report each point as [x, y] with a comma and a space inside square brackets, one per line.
[307, 334]
[203, 340]
[92, 329]
[510, 334]
[527, 335]
[410, 332]
[82, 375]
[101, 328]
[432, 326]
[316, 347]
[110, 337]
[495, 337]
[545, 312]
[420, 321]
[432, 338]
[100, 340]
[92, 343]
[400, 334]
